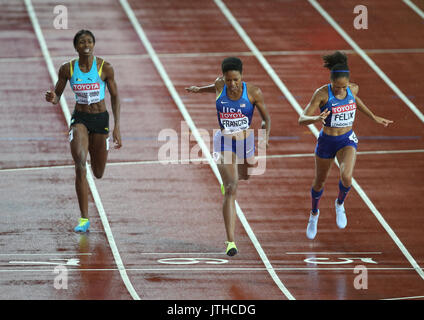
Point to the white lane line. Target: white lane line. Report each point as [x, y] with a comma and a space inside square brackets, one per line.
[391, 151]
[221, 54]
[314, 130]
[367, 59]
[198, 137]
[217, 269]
[46, 254]
[182, 253]
[414, 7]
[405, 298]
[187, 161]
[325, 253]
[36, 168]
[95, 194]
[70, 262]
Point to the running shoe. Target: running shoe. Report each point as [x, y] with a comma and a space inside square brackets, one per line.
[83, 225]
[341, 218]
[231, 248]
[311, 230]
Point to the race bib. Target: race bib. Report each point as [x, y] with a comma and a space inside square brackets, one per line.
[343, 116]
[87, 93]
[233, 121]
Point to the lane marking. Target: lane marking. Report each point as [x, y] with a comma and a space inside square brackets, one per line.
[414, 7]
[221, 54]
[367, 59]
[391, 151]
[36, 168]
[313, 260]
[314, 130]
[182, 253]
[405, 298]
[322, 253]
[65, 262]
[45, 254]
[94, 192]
[192, 260]
[195, 132]
[217, 269]
[147, 162]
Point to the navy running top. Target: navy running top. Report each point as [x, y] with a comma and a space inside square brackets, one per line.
[234, 115]
[342, 112]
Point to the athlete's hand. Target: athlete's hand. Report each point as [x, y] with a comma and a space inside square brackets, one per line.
[51, 97]
[323, 116]
[382, 121]
[193, 89]
[117, 138]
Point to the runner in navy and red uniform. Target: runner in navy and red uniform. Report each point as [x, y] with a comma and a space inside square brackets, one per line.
[89, 129]
[337, 102]
[234, 143]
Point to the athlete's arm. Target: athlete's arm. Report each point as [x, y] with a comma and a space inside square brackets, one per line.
[195, 89]
[260, 105]
[364, 109]
[114, 99]
[318, 99]
[211, 88]
[63, 76]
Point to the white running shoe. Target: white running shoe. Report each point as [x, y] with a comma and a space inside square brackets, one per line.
[311, 230]
[341, 219]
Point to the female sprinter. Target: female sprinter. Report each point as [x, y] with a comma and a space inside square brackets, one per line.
[234, 144]
[89, 129]
[337, 103]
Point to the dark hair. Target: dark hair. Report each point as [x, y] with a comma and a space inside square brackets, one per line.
[337, 64]
[83, 32]
[233, 64]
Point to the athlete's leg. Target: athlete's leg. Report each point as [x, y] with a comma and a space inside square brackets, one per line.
[245, 150]
[322, 170]
[347, 159]
[243, 168]
[229, 174]
[98, 148]
[79, 149]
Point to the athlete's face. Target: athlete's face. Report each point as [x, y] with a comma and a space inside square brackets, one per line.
[339, 86]
[232, 79]
[85, 45]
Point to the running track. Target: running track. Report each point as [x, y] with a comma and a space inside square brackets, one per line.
[149, 220]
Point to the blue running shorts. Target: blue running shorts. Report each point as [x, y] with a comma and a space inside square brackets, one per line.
[327, 146]
[244, 149]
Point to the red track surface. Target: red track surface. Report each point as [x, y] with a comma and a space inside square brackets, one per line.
[174, 211]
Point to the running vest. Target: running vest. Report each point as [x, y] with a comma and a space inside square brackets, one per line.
[342, 112]
[88, 87]
[234, 115]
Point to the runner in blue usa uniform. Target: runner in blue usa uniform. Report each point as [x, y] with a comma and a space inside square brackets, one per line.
[337, 102]
[233, 144]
